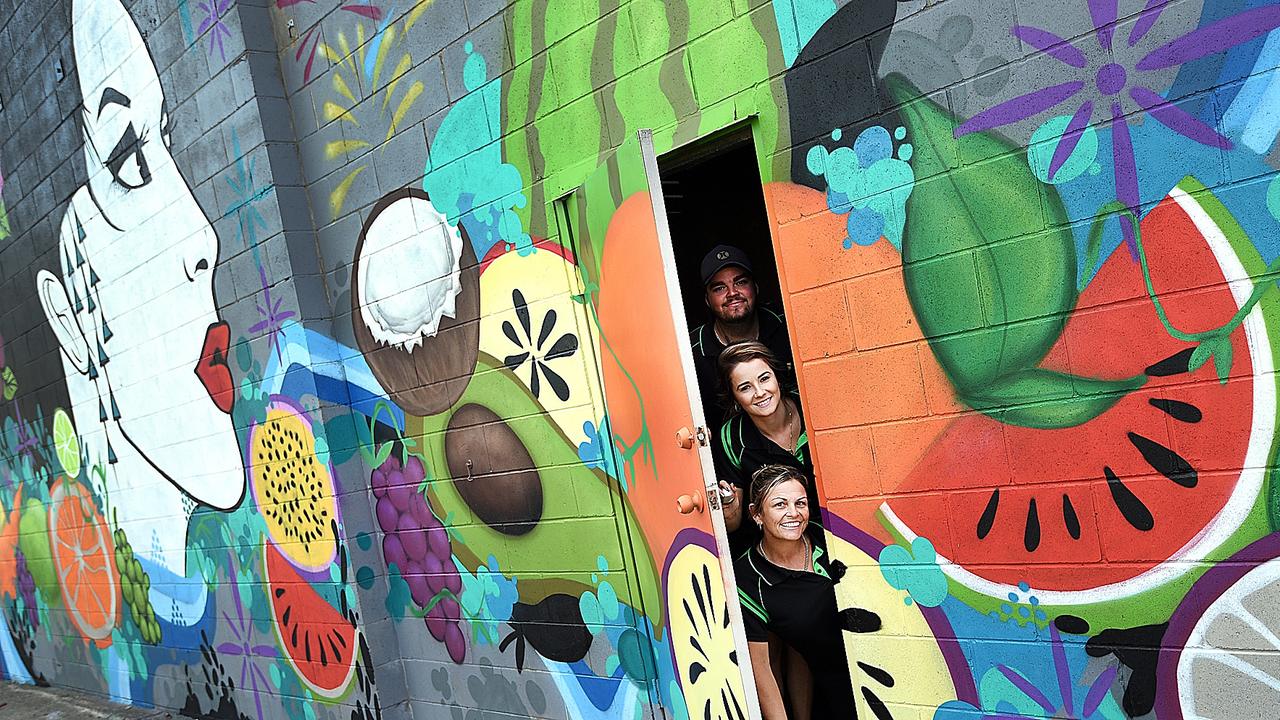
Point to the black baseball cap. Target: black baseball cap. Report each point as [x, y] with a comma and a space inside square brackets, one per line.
[721, 257]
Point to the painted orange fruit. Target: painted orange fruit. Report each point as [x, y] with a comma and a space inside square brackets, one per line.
[84, 557]
[647, 398]
[9, 546]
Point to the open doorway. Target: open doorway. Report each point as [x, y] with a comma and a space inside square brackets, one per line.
[714, 195]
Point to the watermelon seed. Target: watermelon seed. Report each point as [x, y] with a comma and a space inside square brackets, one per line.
[1069, 517]
[293, 640]
[878, 674]
[877, 706]
[695, 671]
[1178, 410]
[1175, 364]
[279, 592]
[1167, 462]
[337, 656]
[285, 617]
[989, 514]
[1133, 510]
[1031, 534]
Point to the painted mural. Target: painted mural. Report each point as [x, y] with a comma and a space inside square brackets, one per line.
[380, 426]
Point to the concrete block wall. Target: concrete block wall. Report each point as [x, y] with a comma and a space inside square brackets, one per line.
[1025, 251]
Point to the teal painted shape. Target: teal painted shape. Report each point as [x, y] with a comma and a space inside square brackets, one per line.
[184, 19]
[465, 175]
[798, 21]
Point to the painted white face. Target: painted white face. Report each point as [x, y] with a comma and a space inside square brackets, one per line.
[148, 251]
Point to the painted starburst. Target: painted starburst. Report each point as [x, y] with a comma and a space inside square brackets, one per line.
[247, 195]
[218, 30]
[1121, 86]
[362, 65]
[272, 322]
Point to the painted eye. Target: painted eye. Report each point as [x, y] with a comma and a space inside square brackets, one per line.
[127, 162]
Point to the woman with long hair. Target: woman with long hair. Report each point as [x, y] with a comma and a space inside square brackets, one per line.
[765, 426]
[786, 585]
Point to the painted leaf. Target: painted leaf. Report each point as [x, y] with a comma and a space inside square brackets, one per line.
[977, 254]
[990, 270]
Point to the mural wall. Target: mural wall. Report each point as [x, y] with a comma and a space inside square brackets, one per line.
[305, 373]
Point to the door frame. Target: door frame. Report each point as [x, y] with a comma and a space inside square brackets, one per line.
[702, 434]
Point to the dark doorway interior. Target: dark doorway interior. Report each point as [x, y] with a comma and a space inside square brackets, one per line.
[714, 195]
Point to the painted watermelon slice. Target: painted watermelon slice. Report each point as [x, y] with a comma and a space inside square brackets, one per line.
[321, 644]
[1130, 499]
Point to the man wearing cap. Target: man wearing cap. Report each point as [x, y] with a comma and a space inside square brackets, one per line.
[729, 289]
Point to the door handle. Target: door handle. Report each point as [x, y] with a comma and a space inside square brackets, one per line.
[687, 504]
[685, 437]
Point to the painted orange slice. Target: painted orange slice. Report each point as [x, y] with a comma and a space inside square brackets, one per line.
[84, 557]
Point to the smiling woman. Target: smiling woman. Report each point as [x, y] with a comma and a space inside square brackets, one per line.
[786, 586]
[125, 284]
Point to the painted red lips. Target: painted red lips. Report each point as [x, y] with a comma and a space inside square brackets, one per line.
[212, 369]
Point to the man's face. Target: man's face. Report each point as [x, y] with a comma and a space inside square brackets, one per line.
[151, 252]
[731, 294]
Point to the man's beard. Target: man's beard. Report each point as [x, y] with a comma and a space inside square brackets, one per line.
[742, 314]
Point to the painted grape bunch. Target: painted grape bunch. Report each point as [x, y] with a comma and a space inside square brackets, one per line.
[27, 589]
[415, 541]
[135, 585]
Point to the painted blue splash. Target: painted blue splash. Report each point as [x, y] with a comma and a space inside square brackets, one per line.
[117, 676]
[1163, 159]
[1254, 114]
[916, 571]
[465, 175]
[1032, 654]
[798, 21]
[10, 660]
[867, 183]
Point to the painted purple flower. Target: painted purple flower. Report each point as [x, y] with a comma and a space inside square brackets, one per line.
[245, 647]
[214, 10]
[272, 319]
[1021, 694]
[1121, 92]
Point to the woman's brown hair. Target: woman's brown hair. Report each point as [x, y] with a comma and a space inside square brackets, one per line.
[741, 352]
[769, 477]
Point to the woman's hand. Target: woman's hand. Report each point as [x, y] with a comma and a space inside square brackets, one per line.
[731, 505]
[771, 705]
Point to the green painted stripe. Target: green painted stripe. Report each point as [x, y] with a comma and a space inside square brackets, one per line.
[749, 603]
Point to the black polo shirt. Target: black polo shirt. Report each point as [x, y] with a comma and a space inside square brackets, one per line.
[800, 608]
[739, 449]
[706, 352]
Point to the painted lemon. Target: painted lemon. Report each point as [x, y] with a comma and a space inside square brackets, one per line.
[1225, 638]
[294, 489]
[533, 327]
[901, 656]
[701, 634]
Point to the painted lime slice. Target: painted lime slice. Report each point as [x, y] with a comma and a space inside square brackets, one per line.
[65, 443]
[10, 383]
